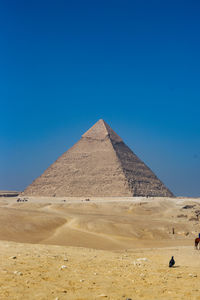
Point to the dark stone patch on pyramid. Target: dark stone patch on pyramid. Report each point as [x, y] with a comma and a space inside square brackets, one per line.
[99, 164]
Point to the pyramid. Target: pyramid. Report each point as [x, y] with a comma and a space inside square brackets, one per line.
[99, 164]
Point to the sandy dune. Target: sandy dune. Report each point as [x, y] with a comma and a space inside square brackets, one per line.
[47, 233]
[107, 224]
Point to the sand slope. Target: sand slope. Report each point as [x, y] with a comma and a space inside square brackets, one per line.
[101, 223]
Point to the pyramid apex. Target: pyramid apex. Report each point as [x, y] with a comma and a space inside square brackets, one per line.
[100, 130]
[100, 121]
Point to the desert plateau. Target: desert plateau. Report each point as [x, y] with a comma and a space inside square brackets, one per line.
[99, 248]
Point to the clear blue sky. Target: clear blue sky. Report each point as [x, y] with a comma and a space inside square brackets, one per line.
[66, 64]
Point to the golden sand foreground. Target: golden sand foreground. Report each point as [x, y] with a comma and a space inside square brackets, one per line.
[58, 272]
[69, 248]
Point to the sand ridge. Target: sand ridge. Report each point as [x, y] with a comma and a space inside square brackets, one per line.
[101, 223]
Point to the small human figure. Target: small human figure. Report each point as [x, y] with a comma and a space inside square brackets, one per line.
[171, 262]
[197, 243]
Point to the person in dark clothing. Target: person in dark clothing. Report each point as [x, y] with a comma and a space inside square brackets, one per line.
[171, 262]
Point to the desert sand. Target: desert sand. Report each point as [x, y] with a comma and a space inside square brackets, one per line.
[112, 248]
